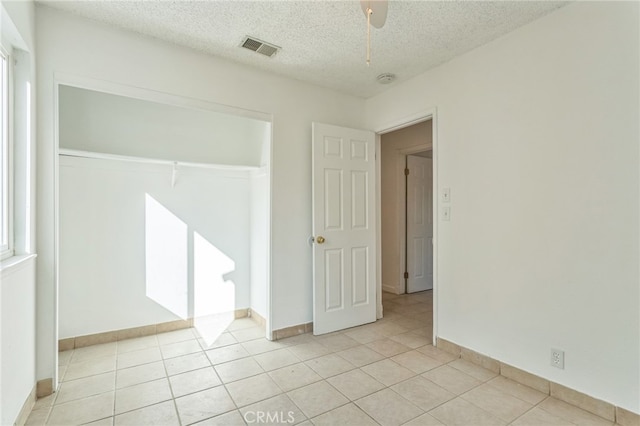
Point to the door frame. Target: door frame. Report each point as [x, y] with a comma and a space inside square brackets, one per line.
[429, 114]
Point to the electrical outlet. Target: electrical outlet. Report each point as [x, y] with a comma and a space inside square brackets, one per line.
[557, 358]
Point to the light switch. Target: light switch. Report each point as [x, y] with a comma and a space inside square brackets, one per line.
[446, 195]
[446, 214]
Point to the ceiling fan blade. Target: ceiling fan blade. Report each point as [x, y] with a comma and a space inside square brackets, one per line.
[379, 8]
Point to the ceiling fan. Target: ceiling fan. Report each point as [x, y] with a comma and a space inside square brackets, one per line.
[376, 13]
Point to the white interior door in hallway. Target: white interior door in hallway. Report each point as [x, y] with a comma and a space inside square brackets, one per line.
[344, 249]
[419, 224]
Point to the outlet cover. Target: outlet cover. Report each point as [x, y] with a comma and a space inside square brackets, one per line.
[557, 358]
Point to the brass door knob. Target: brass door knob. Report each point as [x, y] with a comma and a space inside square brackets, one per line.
[320, 240]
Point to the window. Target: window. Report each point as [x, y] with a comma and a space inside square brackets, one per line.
[6, 243]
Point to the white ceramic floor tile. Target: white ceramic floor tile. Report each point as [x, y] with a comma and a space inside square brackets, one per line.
[387, 372]
[38, 417]
[232, 418]
[451, 379]
[64, 357]
[176, 336]
[258, 346]
[276, 359]
[424, 420]
[309, 350]
[226, 354]
[82, 410]
[330, 365]
[437, 354]
[496, 402]
[90, 367]
[360, 355]
[294, 376]
[388, 347]
[140, 374]
[185, 363]
[253, 389]
[539, 417]
[522, 392]
[163, 414]
[202, 405]
[317, 398]
[102, 422]
[277, 410]
[136, 344]
[141, 395]
[246, 334]
[139, 357]
[416, 361]
[237, 370]
[176, 349]
[459, 412]
[218, 341]
[423, 393]
[93, 352]
[338, 342]
[194, 381]
[410, 340]
[473, 370]
[87, 386]
[355, 384]
[364, 335]
[452, 394]
[388, 408]
[571, 413]
[348, 414]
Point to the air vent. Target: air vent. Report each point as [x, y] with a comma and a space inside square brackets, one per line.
[260, 46]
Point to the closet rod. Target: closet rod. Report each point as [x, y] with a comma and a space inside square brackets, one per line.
[102, 156]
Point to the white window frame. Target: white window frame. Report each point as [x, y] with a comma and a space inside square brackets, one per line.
[6, 171]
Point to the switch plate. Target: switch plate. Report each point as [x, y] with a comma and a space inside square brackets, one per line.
[446, 214]
[446, 195]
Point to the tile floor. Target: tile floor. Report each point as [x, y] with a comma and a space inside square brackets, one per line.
[385, 373]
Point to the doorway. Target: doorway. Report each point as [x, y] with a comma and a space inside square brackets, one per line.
[407, 224]
[397, 147]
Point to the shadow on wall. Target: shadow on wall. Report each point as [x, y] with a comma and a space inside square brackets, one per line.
[186, 273]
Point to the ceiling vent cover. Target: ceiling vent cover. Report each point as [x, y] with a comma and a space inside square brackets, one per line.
[259, 46]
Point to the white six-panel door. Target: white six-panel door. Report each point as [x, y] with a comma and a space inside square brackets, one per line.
[419, 224]
[344, 250]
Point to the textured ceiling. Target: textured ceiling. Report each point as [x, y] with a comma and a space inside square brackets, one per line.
[323, 42]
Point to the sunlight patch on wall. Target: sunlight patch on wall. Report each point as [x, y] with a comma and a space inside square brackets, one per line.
[214, 296]
[167, 262]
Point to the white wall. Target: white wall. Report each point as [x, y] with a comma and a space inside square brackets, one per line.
[538, 140]
[101, 122]
[392, 166]
[17, 346]
[17, 275]
[260, 230]
[71, 45]
[127, 260]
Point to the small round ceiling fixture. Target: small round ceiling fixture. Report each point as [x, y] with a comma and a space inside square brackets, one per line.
[386, 78]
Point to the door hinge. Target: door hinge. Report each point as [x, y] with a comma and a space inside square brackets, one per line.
[406, 275]
[406, 171]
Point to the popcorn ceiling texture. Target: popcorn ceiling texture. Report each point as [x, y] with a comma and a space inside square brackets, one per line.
[323, 42]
